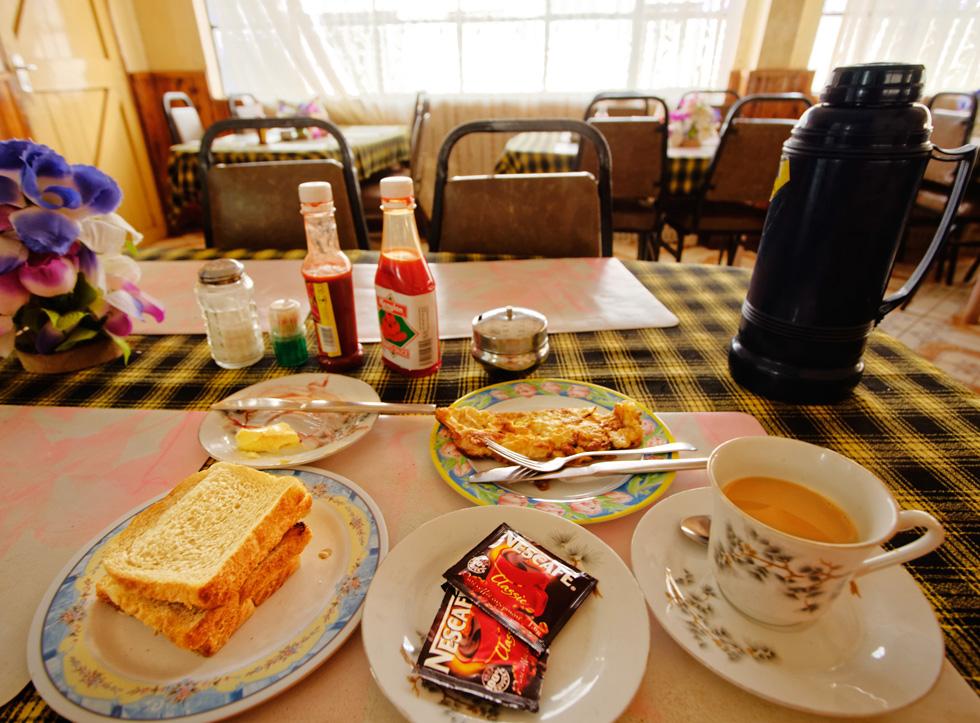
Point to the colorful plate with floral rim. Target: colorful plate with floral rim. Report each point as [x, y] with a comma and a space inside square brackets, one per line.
[320, 434]
[874, 651]
[91, 662]
[587, 500]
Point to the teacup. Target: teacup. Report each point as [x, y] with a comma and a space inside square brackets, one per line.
[787, 580]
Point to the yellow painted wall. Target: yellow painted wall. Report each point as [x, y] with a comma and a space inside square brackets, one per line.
[166, 30]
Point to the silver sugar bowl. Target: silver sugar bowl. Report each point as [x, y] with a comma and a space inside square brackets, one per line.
[510, 340]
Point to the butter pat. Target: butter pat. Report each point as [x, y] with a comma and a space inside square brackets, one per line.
[266, 439]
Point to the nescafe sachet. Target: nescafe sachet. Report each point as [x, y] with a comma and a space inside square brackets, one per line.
[467, 650]
[528, 589]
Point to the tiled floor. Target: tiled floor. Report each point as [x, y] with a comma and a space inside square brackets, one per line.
[932, 324]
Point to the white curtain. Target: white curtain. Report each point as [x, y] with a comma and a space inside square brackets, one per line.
[942, 35]
[368, 51]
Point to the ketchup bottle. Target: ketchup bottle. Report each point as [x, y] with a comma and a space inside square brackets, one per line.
[329, 282]
[405, 290]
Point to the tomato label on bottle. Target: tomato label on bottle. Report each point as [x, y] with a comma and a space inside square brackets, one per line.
[409, 331]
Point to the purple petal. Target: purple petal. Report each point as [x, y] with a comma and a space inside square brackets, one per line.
[12, 153]
[48, 339]
[117, 323]
[99, 192]
[10, 192]
[42, 169]
[13, 295]
[48, 276]
[133, 302]
[44, 231]
[12, 254]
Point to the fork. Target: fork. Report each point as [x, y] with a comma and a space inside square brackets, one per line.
[535, 466]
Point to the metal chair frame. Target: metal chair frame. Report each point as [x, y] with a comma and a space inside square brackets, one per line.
[206, 161]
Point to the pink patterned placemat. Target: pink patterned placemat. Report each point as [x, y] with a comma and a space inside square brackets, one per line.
[583, 294]
[68, 473]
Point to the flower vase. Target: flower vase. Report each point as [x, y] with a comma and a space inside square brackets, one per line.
[79, 357]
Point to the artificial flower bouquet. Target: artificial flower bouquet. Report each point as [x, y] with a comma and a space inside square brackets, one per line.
[67, 269]
[694, 123]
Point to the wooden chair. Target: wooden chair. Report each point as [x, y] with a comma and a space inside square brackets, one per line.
[734, 198]
[182, 117]
[531, 214]
[638, 146]
[625, 103]
[723, 100]
[256, 205]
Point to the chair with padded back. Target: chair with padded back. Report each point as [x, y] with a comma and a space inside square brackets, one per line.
[245, 105]
[638, 146]
[734, 197]
[256, 205]
[624, 103]
[953, 117]
[182, 117]
[529, 214]
[723, 100]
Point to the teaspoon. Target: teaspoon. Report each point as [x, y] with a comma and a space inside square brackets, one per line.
[697, 528]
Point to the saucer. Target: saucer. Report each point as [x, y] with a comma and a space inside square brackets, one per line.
[874, 651]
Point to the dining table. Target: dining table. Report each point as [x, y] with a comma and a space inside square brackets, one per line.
[375, 148]
[85, 449]
[557, 152]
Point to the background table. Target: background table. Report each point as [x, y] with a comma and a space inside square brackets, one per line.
[557, 153]
[375, 148]
[907, 421]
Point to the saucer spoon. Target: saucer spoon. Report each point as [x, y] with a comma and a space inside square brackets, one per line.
[697, 527]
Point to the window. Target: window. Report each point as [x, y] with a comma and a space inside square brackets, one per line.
[296, 49]
[942, 35]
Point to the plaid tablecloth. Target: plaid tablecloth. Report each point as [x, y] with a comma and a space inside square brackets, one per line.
[551, 153]
[910, 423]
[375, 148]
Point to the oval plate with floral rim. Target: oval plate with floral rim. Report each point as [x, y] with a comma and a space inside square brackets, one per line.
[91, 662]
[320, 434]
[587, 500]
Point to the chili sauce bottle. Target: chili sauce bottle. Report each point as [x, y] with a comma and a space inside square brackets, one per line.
[404, 286]
[329, 282]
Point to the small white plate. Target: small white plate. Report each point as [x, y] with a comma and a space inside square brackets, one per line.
[320, 434]
[92, 663]
[595, 663]
[587, 499]
[869, 654]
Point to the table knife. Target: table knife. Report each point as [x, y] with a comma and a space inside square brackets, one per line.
[319, 405]
[506, 475]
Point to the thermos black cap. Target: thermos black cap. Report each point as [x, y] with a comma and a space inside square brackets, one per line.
[874, 84]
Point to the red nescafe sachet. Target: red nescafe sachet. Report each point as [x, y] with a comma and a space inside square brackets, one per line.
[469, 651]
[525, 587]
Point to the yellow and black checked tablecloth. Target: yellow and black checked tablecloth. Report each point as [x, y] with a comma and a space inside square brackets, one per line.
[910, 423]
[375, 149]
[547, 152]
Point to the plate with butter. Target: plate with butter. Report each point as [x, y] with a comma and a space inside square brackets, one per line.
[280, 438]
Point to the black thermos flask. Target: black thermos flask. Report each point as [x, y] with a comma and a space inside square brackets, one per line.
[846, 184]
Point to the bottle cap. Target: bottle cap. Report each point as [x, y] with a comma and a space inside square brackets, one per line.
[315, 192]
[284, 318]
[221, 271]
[874, 84]
[397, 187]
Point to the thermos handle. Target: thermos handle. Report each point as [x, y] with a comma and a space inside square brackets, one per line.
[966, 157]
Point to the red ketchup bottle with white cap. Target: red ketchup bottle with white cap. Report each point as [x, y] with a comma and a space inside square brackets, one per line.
[406, 291]
[329, 281]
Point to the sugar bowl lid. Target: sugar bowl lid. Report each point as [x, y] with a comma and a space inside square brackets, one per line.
[510, 330]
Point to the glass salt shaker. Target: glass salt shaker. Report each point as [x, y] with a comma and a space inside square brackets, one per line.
[226, 296]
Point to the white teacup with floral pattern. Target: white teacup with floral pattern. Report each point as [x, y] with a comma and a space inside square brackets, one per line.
[782, 580]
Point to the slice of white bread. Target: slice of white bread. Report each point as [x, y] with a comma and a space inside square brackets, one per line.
[206, 631]
[198, 544]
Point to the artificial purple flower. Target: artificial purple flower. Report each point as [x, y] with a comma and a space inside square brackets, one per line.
[13, 295]
[12, 254]
[48, 275]
[100, 193]
[42, 169]
[118, 323]
[44, 231]
[12, 153]
[10, 192]
[128, 298]
[48, 339]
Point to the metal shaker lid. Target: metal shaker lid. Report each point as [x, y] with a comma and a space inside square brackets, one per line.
[874, 84]
[510, 330]
[221, 271]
